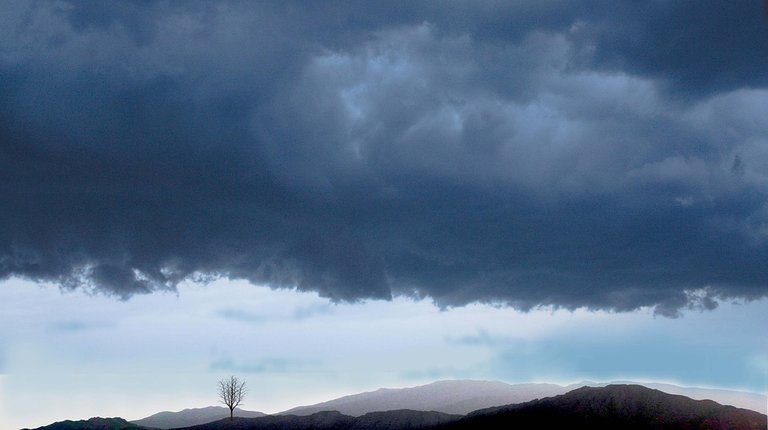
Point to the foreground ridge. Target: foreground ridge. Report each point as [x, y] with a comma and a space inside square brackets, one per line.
[616, 406]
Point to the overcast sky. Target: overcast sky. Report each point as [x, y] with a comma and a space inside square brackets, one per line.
[383, 160]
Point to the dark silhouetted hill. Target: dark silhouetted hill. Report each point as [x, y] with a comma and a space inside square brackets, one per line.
[619, 406]
[93, 424]
[402, 419]
[333, 420]
[329, 420]
[192, 417]
[465, 396]
[740, 399]
[614, 407]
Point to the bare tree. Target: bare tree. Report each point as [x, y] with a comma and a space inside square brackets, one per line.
[231, 393]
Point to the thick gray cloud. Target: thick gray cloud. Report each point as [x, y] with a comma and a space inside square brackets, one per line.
[602, 154]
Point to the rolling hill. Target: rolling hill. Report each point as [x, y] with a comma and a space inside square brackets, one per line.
[625, 406]
[464, 396]
[632, 407]
[191, 417]
[450, 397]
[333, 420]
[92, 424]
[612, 407]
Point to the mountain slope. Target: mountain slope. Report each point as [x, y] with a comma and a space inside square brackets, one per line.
[329, 420]
[332, 420]
[740, 399]
[464, 396]
[92, 424]
[419, 407]
[450, 397]
[191, 417]
[401, 419]
[614, 406]
[753, 401]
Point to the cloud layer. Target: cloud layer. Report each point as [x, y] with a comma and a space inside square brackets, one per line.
[598, 154]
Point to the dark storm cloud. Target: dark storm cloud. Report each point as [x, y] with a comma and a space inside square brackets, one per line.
[695, 47]
[605, 155]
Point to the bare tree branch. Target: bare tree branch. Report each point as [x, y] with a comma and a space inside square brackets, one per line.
[231, 393]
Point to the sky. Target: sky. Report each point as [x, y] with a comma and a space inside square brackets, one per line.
[74, 356]
[523, 186]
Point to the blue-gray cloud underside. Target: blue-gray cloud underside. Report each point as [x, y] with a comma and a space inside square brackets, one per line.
[601, 154]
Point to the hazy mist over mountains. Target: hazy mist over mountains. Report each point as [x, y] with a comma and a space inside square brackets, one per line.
[607, 407]
[452, 397]
[447, 400]
[464, 396]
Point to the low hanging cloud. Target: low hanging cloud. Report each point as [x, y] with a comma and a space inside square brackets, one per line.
[607, 155]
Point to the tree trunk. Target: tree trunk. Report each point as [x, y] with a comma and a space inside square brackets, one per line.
[230, 413]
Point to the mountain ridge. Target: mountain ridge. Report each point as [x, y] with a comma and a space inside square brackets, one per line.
[632, 400]
[614, 406]
[192, 416]
[447, 396]
[95, 423]
[434, 396]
